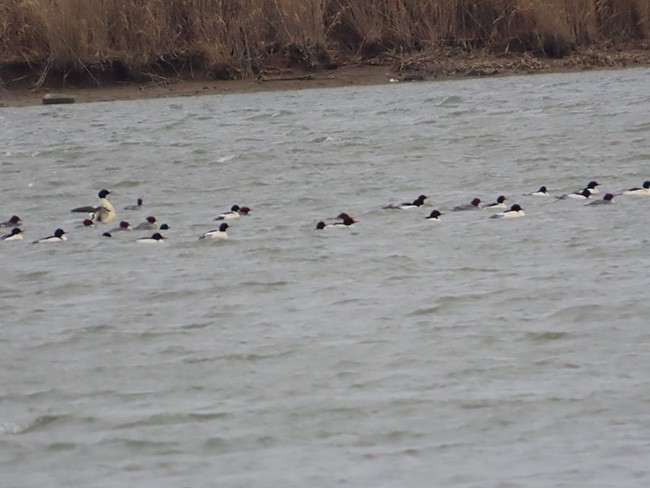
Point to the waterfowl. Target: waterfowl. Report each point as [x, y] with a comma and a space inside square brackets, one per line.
[217, 234]
[582, 195]
[104, 212]
[542, 192]
[643, 191]
[473, 205]
[235, 212]
[15, 235]
[148, 224]
[124, 226]
[418, 202]
[14, 221]
[498, 204]
[608, 198]
[137, 206]
[156, 238]
[59, 236]
[86, 223]
[346, 221]
[514, 212]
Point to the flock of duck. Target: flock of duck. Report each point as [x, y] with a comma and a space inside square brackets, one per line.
[104, 213]
[515, 211]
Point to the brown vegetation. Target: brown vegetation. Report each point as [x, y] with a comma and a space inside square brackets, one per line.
[95, 40]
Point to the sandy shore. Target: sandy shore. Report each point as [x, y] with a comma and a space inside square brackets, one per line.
[432, 66]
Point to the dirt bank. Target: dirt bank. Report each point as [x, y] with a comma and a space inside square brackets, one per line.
[17, 85]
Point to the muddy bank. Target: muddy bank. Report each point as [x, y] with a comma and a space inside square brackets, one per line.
[17, 83]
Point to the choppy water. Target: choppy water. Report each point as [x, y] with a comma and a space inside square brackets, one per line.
[471, 352]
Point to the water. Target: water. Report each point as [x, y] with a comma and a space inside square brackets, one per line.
[471, 352]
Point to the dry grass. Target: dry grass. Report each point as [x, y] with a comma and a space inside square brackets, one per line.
[228, 39]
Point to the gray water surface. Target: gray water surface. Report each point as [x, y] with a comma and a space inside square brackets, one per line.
[470, 352]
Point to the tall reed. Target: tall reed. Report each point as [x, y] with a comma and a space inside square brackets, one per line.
[230, 38]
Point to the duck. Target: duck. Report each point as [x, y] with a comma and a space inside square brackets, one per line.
[15, 235]
[346, 221]
[156, 238]
[216, 234]
[434, 216]
[582, 195]
[514, 212]
[542, 192]
[418, 202]
[643, 191]
[591, 186]
[104, 212]
[137, 206]
[85, 224]
[14, 221]
[498, 204]
[473, 205]
[148, 224]
[59, 236]
[235, 212]
[124, 226]
[608, 198]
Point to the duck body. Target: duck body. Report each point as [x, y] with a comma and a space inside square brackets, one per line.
[124, 226]
[345, 222]
[148, 224]
[498, 204]
[581, 195]
[156, 238]
[14, 221]
[473, 205]
[542, 192]
[216, 234]
[643, 191]
[607, 199]
[235, 212]
[137, 206]
[15, 235]
[86, 224]
[418, 202]
[104, 212]
[515, 212]
[59, 236]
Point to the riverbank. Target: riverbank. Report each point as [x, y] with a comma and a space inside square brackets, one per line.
[17, 90]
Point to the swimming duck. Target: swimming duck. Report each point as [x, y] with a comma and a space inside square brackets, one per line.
[156, 238]
[217, 234]
[515, 212]
[148, 224]
[59, 236]
[235, 212]
[418, 202]
[15, 235]
[137, 205]
[434, 215]
[12, 222]
[473, 205]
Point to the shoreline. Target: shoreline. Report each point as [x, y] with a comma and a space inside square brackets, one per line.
[421, 67]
